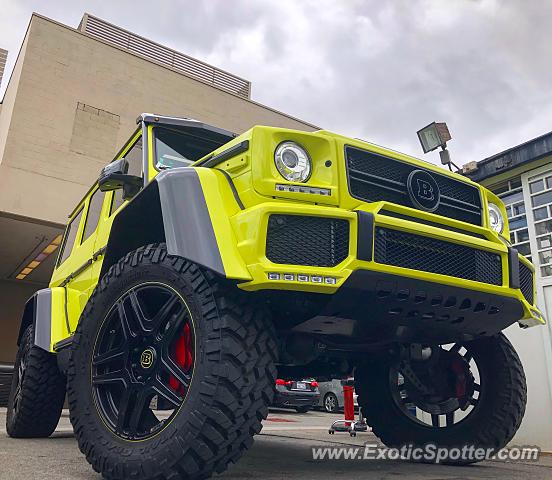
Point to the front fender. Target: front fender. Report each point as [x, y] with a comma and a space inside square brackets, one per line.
[196, 205]
[189, 209]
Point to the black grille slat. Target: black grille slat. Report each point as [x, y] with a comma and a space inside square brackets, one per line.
[526, 282]
[374, 178]
[307, 240]
[426, 254]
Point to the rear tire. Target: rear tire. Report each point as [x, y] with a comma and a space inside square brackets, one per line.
[492, 423]
[231, 378]
[37, 392]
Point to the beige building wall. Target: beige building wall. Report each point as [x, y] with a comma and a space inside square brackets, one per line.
[75, 100]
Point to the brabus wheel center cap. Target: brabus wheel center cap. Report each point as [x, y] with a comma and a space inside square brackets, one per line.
[147, 358]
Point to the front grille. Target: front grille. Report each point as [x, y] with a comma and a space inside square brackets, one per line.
[526, 282]
[304, 240]
[416, 252]
[374, 178]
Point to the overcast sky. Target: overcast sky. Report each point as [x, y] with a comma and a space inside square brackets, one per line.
[373, 69]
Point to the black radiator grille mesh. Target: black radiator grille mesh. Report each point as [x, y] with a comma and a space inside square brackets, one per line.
[416, 252]
[307, 240]
[374, 178]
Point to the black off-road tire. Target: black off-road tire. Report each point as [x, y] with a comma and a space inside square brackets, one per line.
[232, 385]
[42, 392]
[491, 425]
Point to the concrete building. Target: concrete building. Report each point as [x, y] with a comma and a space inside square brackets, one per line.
[522, 177]
[3, 58]
[70, 103]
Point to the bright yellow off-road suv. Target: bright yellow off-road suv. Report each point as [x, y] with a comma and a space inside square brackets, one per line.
[202, 263]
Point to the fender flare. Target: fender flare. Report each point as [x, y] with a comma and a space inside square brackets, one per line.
[38, 312]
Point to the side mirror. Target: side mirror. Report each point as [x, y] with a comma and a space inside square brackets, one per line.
[115, 176]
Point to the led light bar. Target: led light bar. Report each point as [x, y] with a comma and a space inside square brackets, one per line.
[54, 244]
[301, 277]
[303, 189]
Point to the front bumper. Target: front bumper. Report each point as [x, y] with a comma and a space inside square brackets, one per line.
[502, 298]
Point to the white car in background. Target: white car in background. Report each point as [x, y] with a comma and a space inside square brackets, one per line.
[331, 396]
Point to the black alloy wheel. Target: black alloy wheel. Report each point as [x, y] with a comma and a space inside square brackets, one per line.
[457, 378]
[143, 361]
[469, 394]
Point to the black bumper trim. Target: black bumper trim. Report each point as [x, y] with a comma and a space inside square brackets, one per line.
[513, 268]
[365, 237]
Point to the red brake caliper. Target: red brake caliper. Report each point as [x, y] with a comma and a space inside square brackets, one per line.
[182, 356]
[463, 381]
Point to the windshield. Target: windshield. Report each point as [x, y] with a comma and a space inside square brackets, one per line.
[174, 148]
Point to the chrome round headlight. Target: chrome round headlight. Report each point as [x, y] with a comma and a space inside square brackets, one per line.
[293, 162]
[496, 219]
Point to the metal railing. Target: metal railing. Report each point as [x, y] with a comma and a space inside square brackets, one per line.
[167, 57]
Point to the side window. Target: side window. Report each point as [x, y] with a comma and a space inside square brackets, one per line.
[178, 149]
[70, 236]
[93, 216]
[134, 158]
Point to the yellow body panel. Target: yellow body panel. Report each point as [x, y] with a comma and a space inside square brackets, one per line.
[241, 232]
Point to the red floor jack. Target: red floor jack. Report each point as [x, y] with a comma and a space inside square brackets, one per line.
[349, 424]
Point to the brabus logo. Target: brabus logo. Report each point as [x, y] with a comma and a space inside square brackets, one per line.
[423, 190]
[147, 358]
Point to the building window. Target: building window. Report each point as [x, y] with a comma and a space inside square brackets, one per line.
[511, 194]
[540, 189]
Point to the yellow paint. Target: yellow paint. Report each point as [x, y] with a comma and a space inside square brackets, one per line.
[240, 234]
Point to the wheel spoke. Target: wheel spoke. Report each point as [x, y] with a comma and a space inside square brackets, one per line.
[114, 377]
[140, 402]
[163, 313]
[111, 356]
[170, 366]
[167, 393]
[139, 316]
[174, 326]
[455, 348]
[450, 419]
[127, 325]
[435, 420]
[122, 411]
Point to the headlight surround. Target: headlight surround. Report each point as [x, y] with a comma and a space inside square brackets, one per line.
[496, 219]
[293, 162]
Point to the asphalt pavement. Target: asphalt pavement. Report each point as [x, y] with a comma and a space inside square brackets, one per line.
[282, 451]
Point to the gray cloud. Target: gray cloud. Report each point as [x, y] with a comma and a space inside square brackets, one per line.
[365, 68]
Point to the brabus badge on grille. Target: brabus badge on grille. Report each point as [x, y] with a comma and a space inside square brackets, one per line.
[423, 190]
